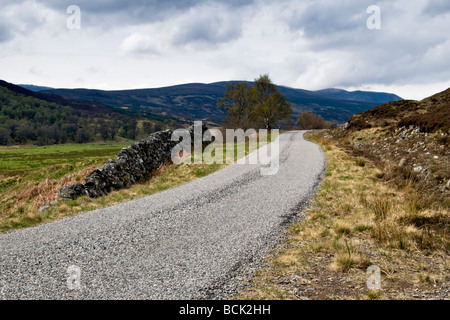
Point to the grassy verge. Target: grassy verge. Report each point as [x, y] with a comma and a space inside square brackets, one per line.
[358, 220]
[31, 176]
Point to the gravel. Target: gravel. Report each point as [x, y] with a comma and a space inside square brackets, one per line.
[201, 240]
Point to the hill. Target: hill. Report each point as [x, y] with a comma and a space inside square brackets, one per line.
[84, 106]
[197, 101]
[184, 103]
[367, 96]
[34, 88]
[409, 139]
[429, 115]
[45, 119]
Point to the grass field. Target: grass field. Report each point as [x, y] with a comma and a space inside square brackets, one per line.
[25, 159]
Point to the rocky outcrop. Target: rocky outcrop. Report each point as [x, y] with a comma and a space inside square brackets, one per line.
[132, 164]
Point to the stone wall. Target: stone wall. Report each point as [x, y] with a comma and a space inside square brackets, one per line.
[132, 164]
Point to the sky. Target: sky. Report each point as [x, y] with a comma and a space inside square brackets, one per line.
[398, 46]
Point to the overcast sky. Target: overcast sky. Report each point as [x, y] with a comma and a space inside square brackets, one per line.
[303, 44]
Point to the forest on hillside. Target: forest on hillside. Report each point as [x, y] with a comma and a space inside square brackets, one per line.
[26, 119]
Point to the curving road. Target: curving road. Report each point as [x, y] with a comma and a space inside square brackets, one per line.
[196, 241]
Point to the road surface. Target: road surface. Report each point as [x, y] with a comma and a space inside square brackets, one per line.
[200, 240]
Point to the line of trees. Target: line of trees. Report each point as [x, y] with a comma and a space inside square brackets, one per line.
[256, 106]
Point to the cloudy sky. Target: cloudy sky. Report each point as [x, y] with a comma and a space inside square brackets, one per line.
[308, 44]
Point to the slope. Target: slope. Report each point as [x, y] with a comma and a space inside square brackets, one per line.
[409, 139]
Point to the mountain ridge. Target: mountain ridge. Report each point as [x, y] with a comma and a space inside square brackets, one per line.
[198, 101]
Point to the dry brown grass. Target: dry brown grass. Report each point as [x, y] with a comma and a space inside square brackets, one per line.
[21, 202]
[47, 191]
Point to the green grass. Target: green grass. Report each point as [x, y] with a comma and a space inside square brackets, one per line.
[23, 159]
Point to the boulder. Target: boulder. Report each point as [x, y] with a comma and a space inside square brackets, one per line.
[72, 192]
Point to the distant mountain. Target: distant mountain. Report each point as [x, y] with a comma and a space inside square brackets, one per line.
[185, 102]
[34, 88]
[338, 108]
[198, 101]
[375, 97]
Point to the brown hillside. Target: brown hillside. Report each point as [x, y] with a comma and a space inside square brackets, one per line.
[428, 115]
[408, 139]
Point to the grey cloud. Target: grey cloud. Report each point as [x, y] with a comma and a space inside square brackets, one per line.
[208, 30]
[403, 50]
[410, 47]
[205, 26]
[112, 13]
[437, 7]
[322, 18]
[5, 33]
[19, 18]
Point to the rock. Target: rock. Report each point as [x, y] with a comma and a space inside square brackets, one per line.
[446, 187]
[72, 192]
[419, 169]
[43, 208]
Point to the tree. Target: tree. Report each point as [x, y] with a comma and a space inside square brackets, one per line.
[24, 133]
[5, 137]
[70, 130]
[310, 121]
[82, 136]
[147, 128]
[104, 130]
[12, 125]
[269, 105]
[257, 106]
[236, 103]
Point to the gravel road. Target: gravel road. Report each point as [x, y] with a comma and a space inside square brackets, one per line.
[196, 241]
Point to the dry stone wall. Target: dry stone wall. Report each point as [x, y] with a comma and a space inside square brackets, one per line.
[132, 164]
